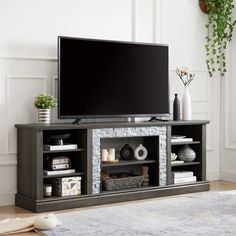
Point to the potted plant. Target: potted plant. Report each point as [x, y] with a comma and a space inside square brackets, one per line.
[44, 103]
[219, 33]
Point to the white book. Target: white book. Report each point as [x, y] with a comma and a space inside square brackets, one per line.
[184, 180]
[58, 172]
[178, 136]
[177, 162]
[179, 140]
[181, 174]
[60, 147]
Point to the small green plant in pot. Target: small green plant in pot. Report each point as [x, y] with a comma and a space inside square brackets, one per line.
[219, 33]
[44, 103]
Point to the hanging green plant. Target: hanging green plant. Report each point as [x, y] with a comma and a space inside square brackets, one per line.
[219, 33]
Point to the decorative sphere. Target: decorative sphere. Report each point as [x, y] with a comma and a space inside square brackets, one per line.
[186, 153]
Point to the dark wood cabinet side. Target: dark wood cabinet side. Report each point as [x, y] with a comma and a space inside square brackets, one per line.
[29, 163]
[203, 153]
[168, 153]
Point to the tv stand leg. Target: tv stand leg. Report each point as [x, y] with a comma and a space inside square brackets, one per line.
[77, 122]
[157, 119]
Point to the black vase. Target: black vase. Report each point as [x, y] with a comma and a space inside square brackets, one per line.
[176, 108]
[126, 152]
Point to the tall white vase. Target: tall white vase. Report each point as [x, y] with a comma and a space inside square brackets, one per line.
[186, 105]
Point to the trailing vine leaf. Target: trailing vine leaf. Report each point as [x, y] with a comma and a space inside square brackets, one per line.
[219, 33]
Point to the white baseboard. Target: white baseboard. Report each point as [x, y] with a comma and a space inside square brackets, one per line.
[213, 175]
[7, 199]
[228, 176]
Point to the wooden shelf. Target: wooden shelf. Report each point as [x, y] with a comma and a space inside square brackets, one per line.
[186, 163]
[63, 175]
[126, 163]
[182, 143]
[62, 151]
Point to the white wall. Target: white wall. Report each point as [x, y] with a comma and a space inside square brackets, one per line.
[29, 30]
[228, 115]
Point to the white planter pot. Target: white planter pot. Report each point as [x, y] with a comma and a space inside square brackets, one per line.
[44, 116]
[186, 105]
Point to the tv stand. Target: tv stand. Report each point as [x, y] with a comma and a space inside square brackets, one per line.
[90, 138]
[77, 122]
[154, 118]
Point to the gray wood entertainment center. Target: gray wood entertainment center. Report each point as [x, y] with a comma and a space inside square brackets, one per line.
[86, 160]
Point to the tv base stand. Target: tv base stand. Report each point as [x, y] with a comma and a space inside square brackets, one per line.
[90, 138]
[77, 122]
[154, 118]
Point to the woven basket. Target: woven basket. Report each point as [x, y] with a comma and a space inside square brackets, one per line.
[122, 183]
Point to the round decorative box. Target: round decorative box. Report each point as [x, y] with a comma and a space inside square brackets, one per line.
[140, 153]
[186, 153]
[126, 152]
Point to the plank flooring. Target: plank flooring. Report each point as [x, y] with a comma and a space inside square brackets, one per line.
[14, 211]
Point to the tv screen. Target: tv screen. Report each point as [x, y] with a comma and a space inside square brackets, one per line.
[100, 79]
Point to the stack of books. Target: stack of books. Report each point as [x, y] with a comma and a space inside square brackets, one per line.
[48, 147]
[176, 162]
[180, 177]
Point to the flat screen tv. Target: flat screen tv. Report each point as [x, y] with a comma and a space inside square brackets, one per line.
[101, 79]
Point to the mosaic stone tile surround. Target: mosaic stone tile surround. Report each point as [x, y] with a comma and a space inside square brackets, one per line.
[127, 132]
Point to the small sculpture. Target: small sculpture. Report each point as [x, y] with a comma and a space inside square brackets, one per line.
[140, 153]
[173, 156]
[145, 175]
[126, 152]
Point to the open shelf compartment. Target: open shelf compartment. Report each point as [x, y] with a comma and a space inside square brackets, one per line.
[133, 166]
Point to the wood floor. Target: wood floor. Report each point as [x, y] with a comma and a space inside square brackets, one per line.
[13, 211]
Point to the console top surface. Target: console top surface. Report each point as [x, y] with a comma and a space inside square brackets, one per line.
[100, 125]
